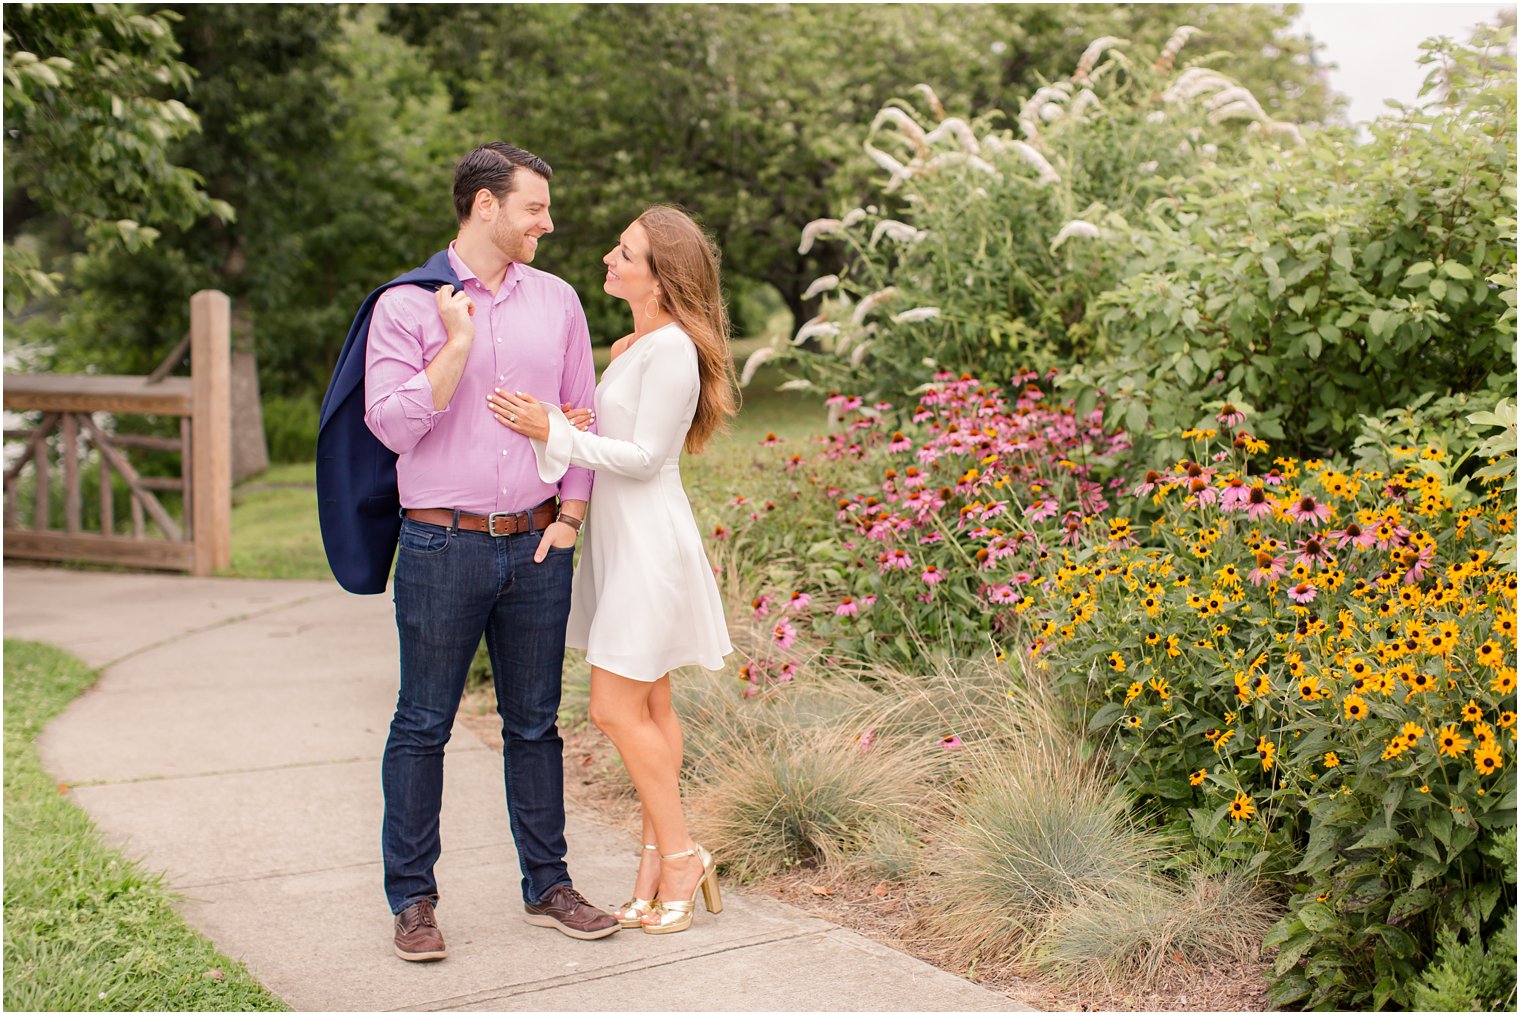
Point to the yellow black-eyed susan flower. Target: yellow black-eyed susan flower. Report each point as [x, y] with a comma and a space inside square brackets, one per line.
[1197, 777]
[1471, 712]
[1487, 760]
[1331, 759]
[1504, 681]
[1449, 741]
[1241, 808]
[1267, 751]
[1411, 733]
[1356, 708]
[1116, 662]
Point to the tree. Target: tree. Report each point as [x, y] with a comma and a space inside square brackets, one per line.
[90, 129]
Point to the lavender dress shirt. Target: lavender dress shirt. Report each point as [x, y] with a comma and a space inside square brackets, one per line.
[530, 336]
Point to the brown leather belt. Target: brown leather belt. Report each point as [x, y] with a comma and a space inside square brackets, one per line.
[498, 523]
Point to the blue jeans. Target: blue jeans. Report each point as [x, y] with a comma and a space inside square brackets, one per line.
[452, 586]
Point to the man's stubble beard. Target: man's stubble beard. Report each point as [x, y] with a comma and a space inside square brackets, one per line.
[514, 244]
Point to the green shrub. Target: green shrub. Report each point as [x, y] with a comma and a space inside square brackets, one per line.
[290, 428]
[1476, 976]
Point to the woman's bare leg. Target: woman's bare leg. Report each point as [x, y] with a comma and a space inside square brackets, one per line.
[621, 708]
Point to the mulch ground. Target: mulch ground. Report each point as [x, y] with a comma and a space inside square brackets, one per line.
[880, 910]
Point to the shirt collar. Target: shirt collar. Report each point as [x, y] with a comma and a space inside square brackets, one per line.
[508, 283]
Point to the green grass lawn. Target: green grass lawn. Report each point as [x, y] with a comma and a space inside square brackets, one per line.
[86, 929]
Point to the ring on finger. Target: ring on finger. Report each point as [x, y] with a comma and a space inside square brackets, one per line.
[511, 417]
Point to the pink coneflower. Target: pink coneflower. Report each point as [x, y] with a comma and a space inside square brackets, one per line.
[1257, 504]
[720, 532]
[931, 539]
[762, 607]
[784, 634]
[1153, 479]
[932, 575]
[1417, 561]
[1200, 493]
[899, 442]
[1353, 534]
[1000, 548]
[913, 477]
[799, 601]
[1073, 523]
[1002, 594]
[1390, 534]
[1044, 508]
[1314, 553]
[1307, 509]
[846, 607]
[1274, 478]
[1268, 568]
[1396, 491]
[788, 672]
[894, 560]
[866, 602]
[1230, 416]
[1235, 495]
[1303, 593]
[770, 440]
[951, 743]
[1022, 578]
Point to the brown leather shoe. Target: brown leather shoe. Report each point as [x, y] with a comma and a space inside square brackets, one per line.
[418, 938]
[564, 909]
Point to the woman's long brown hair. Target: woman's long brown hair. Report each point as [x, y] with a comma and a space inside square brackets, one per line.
[684, 261]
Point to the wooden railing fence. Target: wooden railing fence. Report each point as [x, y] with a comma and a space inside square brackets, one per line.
[200, 542]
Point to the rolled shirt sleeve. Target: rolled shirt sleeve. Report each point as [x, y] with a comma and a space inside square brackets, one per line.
[398, 396]
[578, 387]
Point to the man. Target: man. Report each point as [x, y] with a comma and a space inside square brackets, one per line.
[484, 547]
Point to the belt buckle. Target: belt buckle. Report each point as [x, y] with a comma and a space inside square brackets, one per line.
[491, 523]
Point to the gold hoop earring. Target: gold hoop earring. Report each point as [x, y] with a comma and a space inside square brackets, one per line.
[652, 314]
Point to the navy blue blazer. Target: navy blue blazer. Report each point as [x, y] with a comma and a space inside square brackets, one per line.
[357, 503]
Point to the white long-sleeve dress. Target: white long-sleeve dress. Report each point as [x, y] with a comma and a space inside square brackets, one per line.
[644, 600]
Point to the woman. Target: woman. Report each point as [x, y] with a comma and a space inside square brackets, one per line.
[644, 599]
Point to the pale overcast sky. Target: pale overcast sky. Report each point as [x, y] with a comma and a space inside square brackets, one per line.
[1375, 46]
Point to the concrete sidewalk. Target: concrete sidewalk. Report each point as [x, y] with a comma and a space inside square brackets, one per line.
[234, 742]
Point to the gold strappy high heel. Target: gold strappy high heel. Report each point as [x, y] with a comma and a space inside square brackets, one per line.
[631, 913]
[671, 917]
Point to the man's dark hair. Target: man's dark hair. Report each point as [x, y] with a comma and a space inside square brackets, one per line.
[492, 166]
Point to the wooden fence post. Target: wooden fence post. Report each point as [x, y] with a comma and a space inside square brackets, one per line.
[211, 430]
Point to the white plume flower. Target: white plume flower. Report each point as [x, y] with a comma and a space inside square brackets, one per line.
[1077, 228]
[935, 106]
[1087, 97]
[815, 329]
[1046, 171]
[897, 232]
[1177, 41]
[756, 359]
[1281, 129]
[871, 302]
[797, 384]
[1090, 55]
[851, 217]
[1157, 117]
[955, 127]
[1195, 81]
[858, 356]
[963, 159]
[821, 285]
[1051, 112]
[814, 229]
[916, 314]
[901, 120]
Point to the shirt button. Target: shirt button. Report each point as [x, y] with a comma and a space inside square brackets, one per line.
[503, 450]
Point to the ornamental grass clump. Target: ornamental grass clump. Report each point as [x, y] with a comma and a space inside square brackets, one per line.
[1131, 940]
[790, 796]
[1032, 832]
